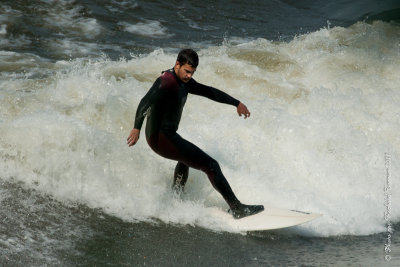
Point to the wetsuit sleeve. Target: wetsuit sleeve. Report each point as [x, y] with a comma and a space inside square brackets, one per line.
[211, 93]
[151, 97]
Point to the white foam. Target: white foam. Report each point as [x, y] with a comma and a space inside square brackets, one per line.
[7, 12]
[324, 113]
[73, 48]
[150, 28]
[121, 6]
[65, 16]
[3, 29]
[21, 40]
[194, 25]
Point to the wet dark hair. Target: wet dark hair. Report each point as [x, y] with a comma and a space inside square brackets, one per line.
[188, 56]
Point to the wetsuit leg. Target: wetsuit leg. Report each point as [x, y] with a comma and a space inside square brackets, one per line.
[173, 146]
[180, 177]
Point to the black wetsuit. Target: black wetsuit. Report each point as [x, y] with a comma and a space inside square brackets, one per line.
[163, 105]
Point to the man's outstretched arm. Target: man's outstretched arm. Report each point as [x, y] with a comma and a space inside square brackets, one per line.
[219, 96]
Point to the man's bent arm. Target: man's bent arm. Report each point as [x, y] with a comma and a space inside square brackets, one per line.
[152, 95]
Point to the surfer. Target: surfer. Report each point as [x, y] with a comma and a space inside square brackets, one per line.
[163, 106]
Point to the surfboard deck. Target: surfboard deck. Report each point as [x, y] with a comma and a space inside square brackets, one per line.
[269, 219]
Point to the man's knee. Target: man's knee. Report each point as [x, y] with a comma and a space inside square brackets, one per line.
[212, 169]
[213, 165]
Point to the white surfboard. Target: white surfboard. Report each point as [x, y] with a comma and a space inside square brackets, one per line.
[270, 218]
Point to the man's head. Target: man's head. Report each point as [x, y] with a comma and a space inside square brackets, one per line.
[188, 56]
[186, 64]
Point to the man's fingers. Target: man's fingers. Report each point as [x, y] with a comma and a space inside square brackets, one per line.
[132, 141]
[242, 109]
[133, 137]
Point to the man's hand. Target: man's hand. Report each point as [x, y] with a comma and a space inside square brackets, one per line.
[133, 137]
[242, 109]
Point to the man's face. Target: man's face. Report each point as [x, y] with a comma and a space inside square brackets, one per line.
[184, 72]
